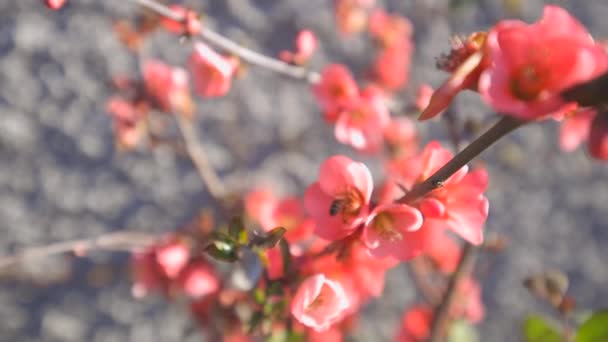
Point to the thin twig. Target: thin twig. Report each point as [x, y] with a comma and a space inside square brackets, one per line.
[441, 316]
[118, 241]
[500, 129]
[418, 269]
[198, 156]
[230, 46]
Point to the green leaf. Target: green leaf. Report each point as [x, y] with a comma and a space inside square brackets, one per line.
[259, 296]
[536, 328]
[462, 331]
[595, 329]
[237, 230]
[223, 250]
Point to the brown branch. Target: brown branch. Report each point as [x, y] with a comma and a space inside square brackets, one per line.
[230, 46]
[197, 154]
[419, 272]
[118, 241]
[500, 129]
[441, 316]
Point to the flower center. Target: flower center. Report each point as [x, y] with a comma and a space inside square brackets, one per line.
[347, 204]
[384, 226]
[288, 222]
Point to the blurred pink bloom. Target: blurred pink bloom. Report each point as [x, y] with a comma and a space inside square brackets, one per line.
[338, 201]
[271, 213]
[146, 275]
[389, 29]
[459, 204]
[533, 63]
[167, 85]
[387, 228]
[468, 304]
[330, 335]
[127, 120]
[415, 324]
[401, 136]
[171, 257]
[211, 72]
[319, 302]
[54, 4]
[391, 68]
[575, 129]
[361, 124]
[198, 279]
[190, 26]
[306, 44]
[336, 90]
[351, 15]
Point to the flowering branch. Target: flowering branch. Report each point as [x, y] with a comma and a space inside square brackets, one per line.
[234, 48]
[197, 154]
[119, 241]
[500, 129]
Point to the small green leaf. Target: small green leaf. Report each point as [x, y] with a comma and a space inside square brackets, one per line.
[462, 331]
[537, 329]
[259, 296]
[237, 230]
[595, 329]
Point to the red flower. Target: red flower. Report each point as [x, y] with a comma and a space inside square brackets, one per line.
[211, 72]
[127, 119]
[387, 228]
[532, 64]
[391, 68]
[198, 279]
[415, 324]
[575, 129]
[389, 30]
[319, 302]
[336, 90]
[168, 86]
[191, 25]
[361, 124]
[338, 201]
[306, 44]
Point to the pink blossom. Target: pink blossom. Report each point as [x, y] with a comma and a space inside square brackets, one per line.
[575, 129]
[127, 120]
[402, 137]
[459, 204]
[198, 279]
[389, 29]
[271, 213]
[306, 44]
[336, 90]
[171, 257]
[532, 64]
[361, 124]
[190, 26]
[319, 302]
[391, 68]
[168, 86]
[338, 201]
[387, 228]
[469, 304]
[55, 4]
[211, 72]
[415, 324]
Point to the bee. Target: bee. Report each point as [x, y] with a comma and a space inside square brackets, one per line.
[336, 206]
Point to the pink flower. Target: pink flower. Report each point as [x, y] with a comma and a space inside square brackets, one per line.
[336, 90]
[190, 26]
[468, 304]
[198, 279]
[211, 72]
[351, 15]
[171, 257]
[402, 137]
[272, 213]
[389, 29]
[127, 120]
[532, 64]
[415, 324]
[319, 302]
[338, 201]
[54, 4]
[459, 204]
[168, 86]
[361, 124]
[387, 228]
[575, 129]
[306, 44]
[391, 68]
[146, 275]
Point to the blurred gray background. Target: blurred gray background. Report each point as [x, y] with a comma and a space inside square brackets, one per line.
[61, 178]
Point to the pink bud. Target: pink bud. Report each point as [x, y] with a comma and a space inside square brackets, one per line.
[54, 4]
[211, 72]
[172, 257]
[198, 279]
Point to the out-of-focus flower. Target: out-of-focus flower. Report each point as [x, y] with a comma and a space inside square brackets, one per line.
[168, 86]
[361, 124]
[211, 72]
[391, 67]
[401, 137]
[198, 279]
[271, 213]
[319, 302]
[415, 324]
[127, 119]
[338, 201]
[54, 4]
[351, 15]
[575, 129]
[532, 64]
[387, 228]
[191, 25]
[468, 304]
[336, 89]
[306, 44]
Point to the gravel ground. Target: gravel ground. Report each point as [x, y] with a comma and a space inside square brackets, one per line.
[62, 179]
